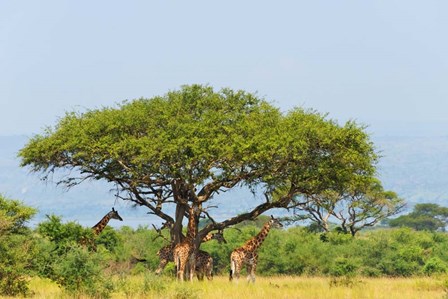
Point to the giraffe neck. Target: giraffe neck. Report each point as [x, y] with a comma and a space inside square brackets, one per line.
[191, 228]
[99, 227]
[208, 237]
[254, 243]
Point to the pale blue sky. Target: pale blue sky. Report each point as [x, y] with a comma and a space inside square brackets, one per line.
[383, 63]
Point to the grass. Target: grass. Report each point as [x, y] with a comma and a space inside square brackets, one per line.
[149, 286]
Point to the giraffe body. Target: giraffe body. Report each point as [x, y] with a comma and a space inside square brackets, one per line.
[184, 252]
[248, 253]
[166, 253]
[204, 265]
[185, 260]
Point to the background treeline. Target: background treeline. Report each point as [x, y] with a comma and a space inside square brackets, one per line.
[298, 251]
[68, 253]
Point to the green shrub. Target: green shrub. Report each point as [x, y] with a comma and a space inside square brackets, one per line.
[343, 267]
[16, 247]
[15, 255]
[79, 272]
[434, 266]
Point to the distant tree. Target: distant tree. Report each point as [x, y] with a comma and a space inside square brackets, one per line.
[13, 216]
[184, 148]
[352, 209]
[425, 216]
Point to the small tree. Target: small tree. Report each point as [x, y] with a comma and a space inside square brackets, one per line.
[352, 209]
[67, 261]
[15, 246]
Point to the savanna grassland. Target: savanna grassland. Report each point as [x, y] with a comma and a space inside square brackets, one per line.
[149, 286]
[53, 260]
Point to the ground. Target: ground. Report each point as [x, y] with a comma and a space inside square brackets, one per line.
[150, 286]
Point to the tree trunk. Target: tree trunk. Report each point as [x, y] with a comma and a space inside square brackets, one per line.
[176, 232]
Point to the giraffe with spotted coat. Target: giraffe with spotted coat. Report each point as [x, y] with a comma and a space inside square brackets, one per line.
[248, 253]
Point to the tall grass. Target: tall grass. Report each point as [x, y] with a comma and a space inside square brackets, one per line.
[150, 286]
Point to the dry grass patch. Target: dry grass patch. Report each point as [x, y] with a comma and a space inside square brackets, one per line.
[150, 286]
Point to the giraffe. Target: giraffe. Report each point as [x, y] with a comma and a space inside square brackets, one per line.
[204, 265]
[184, 253]
[99, 227]
[166, 253]
[247, 254]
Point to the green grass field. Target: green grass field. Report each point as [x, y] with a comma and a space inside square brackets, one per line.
[149, 286]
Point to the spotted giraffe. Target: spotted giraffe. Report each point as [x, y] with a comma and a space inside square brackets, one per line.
[204, 261]
[248, 255]
[184, 253]
[204, 265]
[166, 253]
[99, 227]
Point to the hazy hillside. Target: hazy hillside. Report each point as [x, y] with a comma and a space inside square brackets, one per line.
[414, 167]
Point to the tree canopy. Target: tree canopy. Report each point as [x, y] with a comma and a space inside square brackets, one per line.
[355, 208]
[13, 216]
[186, 146]
[425, 216]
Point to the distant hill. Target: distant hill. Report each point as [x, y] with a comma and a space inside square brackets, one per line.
[414, 167]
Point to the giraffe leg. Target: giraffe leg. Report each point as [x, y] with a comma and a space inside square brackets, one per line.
[249, 271]
[232, 268]
[237, 268]
[180, 273]
[253, 268]
[192, 265]
[162, 266]
[200, 275]
[209, 269]
[180, 266]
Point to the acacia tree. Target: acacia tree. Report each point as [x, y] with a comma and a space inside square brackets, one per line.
[185, 147]
[352, 209]
[425, 216]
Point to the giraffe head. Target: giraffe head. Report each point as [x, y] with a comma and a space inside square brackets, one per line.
[275, 223]
[167, 224]
[98, 228]
[114, 215]
[219, 236]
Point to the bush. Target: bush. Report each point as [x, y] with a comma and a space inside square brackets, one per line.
[343, 267]
[16, 247]
[79, 272]
[434, 266]
[15, 255]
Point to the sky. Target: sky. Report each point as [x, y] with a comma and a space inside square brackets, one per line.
[382, 63]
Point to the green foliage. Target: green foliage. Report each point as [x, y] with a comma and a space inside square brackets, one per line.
[16, 254]
[208, 141]
[343, 271]
[16, 247]
[65, 255]
[80, 272]
[426, 216]
[434, 266]
[13, 216]
[109, 238]
[63, 234]
[294, 251]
